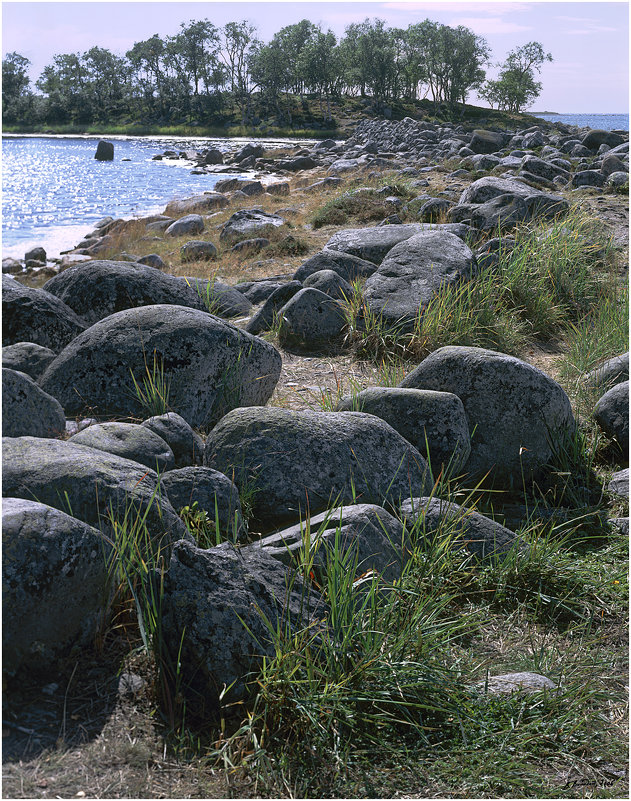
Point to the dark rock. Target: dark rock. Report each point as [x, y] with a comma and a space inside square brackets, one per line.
[298, 461]
[35, 254]
[611, 372]
[197, 250]
[90, 484]
[250, 245]
[434, 422]
[588, 178]
[152, 260]
[214, 494]
[299, 163]
[185, 226]
[249, 222]
[209, 366]
[331, 283]
[612, 414]
[433, 209]
[502, 212]
[219, 298]
[27, 357]
[263, 320]
[278, 188]
[348, 267]
[97, 289]
[487, 141]
[186, 444]
[596, 137]
[54, 584]
[483, 538]
[516, 413]
[619, 483]
[28, 411]
[311, 322]
[104, 151]
[129, 441]
[35, 315]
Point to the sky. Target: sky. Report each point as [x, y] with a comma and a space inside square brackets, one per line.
[589, 41]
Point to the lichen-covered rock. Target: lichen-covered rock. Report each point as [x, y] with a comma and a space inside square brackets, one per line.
[97, 289]
[214, 494]
[33, 315]
[331, 283]
[264, 319]
[516, 412]
[90, 485]
[609, 373]
[293, 462]
[209, 365]
[188, 225]
[311, 322]
[186, 444]
[619, 483]
[412, 274]
[346, 265]
[54, 584]
[209, 201]
[483, 538]
[129, 441]
[612, 414]
[27, 357]
[219, 298]
[28, 411]
[249, 222]
[434, 422]
[214, 606]
[525, 682]
[366, 536]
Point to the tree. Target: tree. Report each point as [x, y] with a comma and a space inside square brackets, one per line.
[238, 47]
[15, 86]
[516, 87]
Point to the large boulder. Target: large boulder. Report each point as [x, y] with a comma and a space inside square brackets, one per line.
[27, 357]
[413, 272]
[291, 462]
[219, 609]
[90, 485]
[373, 244]
[130, 441]
[366, 536]
[247, 223]
[264, 319]
[209, 201]
[97, 289]
[345, 265]
[33, 315]
[487, 141]
[312, 322]
[28, 411]
[434, 518]
[612, 414]
[212, 491]
[219, 298]
[188, 225]
[186, 444]
[209, 366]
[104, 151]
[596, 137]
[434, 422]
[611, 372]
[517, 414]
[54, 584]
[331, 283]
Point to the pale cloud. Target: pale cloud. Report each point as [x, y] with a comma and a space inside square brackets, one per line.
[460, 8]
[487, 26]
[592, 29]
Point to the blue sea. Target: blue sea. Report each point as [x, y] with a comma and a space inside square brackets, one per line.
[604, 122]
[53, 189]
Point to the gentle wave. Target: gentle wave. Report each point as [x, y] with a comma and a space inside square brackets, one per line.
[603, 122]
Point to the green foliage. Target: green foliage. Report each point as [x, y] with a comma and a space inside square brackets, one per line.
[152, 389]
[516, 87]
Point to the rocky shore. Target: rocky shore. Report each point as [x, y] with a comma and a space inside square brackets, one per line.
[107, 335]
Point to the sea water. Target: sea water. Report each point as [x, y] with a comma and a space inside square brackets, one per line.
[603, 122]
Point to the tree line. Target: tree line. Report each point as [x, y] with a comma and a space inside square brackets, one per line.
[204, 73]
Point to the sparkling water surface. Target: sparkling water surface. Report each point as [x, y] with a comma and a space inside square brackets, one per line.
[54, 190]
[603, 122]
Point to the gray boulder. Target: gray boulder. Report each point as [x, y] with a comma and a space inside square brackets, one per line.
[185, 443]
[247, 223]
[298, 163]
[198, 250]
[214, 606]
[413, 272]
[370, 538]
[433, 209]
[97, 289]
[250, 246]
[596, 137]
[27, 357]
[612, 414]
[434, 422]
[611, 372]
[525, 682]
[129, 441]
[611, 164]
[347, 266]
[219, 298]
[104, 151]
[487, 141]
[214, 494]
[185, 226]
[28, 411]
[331, 283]
[502, 212]
[617, 179]
[619, 483]
[311, 322]
[433, 518]
[89, 484]
[209, 366]
[517, 414]
[543, 169]
[298, 461]
[33, 315]
[54, 584]
[263, 320]
[209, 201]
[588, 178]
